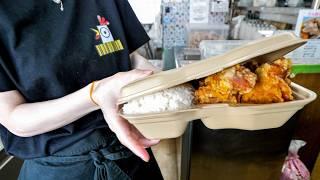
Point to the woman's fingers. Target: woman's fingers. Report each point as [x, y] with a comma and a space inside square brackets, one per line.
[128, 135]
[144, 141]
[148, 143]
[108, 90]
[134, 75]
[134, 145]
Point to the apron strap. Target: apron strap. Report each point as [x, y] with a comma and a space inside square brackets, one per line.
[106, 168]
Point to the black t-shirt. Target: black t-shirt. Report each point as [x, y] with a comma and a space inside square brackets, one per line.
[46, 53]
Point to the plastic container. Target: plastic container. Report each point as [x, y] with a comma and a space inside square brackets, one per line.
[198, 32]
[259, 3]
[295, 3]
[184, 56]
[218, 116]
[271, 3]
[156, 63]
[245, 3]
[210, 48]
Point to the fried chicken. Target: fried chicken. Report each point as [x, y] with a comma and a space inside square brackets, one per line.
[226, 86]
[272, 85]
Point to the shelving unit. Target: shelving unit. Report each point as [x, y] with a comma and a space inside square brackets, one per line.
[275, 10]
[279, 14]
[279, 18]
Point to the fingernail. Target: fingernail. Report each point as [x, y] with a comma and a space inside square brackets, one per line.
[147, 71]
[155, 140]
[146, 160]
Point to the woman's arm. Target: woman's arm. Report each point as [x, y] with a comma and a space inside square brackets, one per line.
[30, 119]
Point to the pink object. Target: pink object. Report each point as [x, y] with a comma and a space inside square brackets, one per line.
[293, 168]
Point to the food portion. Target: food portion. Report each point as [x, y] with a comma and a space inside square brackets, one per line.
[250, 83]
[272, 85]
[176, 98]
[225, 86]
[268, 84]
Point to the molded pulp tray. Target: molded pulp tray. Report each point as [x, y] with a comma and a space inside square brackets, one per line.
[218, 116]
[222, 116]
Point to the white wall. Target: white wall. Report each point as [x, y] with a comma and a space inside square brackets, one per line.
[146, 10]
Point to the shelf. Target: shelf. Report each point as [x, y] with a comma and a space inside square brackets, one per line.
[279, 18]
[294, 11]
[279, 14]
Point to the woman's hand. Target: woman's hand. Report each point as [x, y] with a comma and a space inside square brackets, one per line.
[106, 94]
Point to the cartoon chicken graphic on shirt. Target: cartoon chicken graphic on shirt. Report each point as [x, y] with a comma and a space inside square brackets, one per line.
[109, 45]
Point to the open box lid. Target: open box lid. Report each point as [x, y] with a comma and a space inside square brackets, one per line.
[263, 50]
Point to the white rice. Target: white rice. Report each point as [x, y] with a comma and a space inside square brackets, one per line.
[176, 98]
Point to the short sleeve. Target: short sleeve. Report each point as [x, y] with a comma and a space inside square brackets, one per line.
[5, 82]
[136, 36]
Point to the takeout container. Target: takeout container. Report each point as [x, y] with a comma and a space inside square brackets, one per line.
[218, 116]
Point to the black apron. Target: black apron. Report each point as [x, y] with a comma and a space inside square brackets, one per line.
[98, 157]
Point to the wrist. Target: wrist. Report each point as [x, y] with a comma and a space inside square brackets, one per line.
[103, 92]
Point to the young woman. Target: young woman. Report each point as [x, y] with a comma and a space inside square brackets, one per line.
[62, 65]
